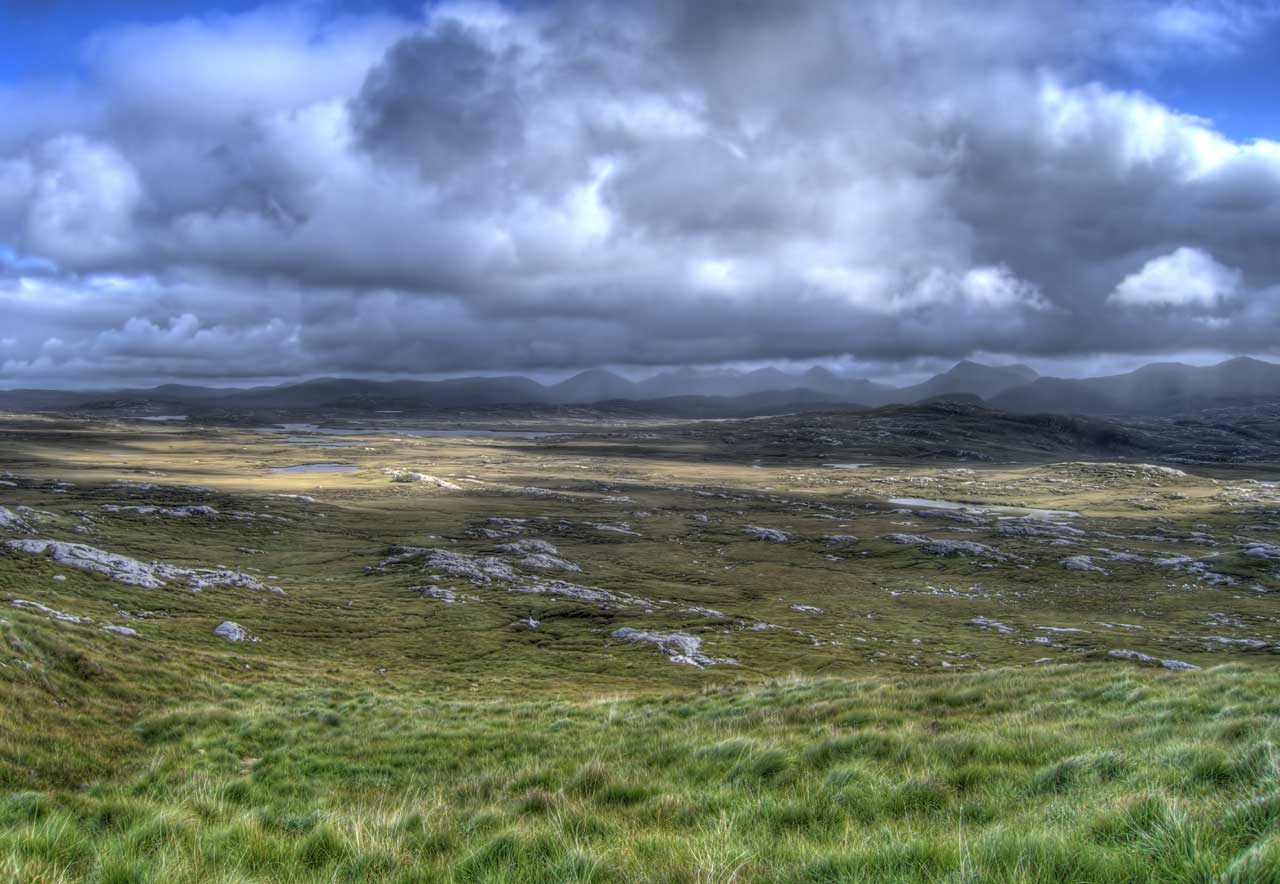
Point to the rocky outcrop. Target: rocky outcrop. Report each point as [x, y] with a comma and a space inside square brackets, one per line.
[1253, 550]
[1148, 660]
[680, 647]
[122, 630]
[548, 563]
[409, 477]
[176, 512]
[48, 612]
[234, 632]
[964, 548]
[1084, 563]
[122, 569]
[773, 535]
[10, 521]
[989, 623]
[525, 547]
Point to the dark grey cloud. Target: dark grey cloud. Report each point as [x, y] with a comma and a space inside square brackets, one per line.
[285, 193]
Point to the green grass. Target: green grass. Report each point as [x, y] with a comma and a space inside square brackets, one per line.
[1086, 774]
[377, 736]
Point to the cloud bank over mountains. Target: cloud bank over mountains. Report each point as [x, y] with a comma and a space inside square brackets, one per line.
[297, 191]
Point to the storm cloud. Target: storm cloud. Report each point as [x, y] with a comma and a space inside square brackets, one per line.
[293, 191]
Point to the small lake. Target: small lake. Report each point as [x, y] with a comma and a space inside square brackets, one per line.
[408, 431]
[317, 468]
[164, 417]
[846, 466]
[1031, 512]
[468, 434]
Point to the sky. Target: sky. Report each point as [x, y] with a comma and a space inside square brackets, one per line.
[232, 192]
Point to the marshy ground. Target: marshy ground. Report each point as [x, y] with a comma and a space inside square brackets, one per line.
[667, 652]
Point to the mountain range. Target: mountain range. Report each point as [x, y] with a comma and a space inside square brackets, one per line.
[1156, 389]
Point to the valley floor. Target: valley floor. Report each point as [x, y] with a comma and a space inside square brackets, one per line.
[641, 655]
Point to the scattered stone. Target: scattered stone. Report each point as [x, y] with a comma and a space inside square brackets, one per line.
[773, 535]
[619, 528]
[950, 515]
[965, 548]
[402, 554]
[906, 538]
[448, 596]
[806, 609]
[408, 476]
[234, 632]
[525, 547]
[123, 569]
[179, 512]
[10, 521]
[989, 623]
[1139, 657]
[1084, 563]
[1252, 644]
[703, 612]
[49, 612]
[477, 569]
[1197, 568]
[486, 570]
[840, 538]
[680, 647]
[1256, 550]
[122, 630]
[1038, 529]
[575, 591]
[549, 563]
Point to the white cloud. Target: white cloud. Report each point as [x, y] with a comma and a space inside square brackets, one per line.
[1186, 277]
[84, 196]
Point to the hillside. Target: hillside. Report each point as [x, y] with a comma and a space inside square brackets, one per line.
[1163, 388]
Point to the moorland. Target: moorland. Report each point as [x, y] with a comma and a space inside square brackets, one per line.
[923, 642]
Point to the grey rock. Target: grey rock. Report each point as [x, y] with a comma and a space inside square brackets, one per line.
[680, 647]
[772, 535]
[1084, 563]
[234, 632]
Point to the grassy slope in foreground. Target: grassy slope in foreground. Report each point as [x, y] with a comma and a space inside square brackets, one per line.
[1087, 773]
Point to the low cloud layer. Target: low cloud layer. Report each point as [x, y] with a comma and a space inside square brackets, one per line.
[294, 192]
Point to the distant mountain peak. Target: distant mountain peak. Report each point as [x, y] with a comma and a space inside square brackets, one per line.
[596, 374]
[968, 367]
